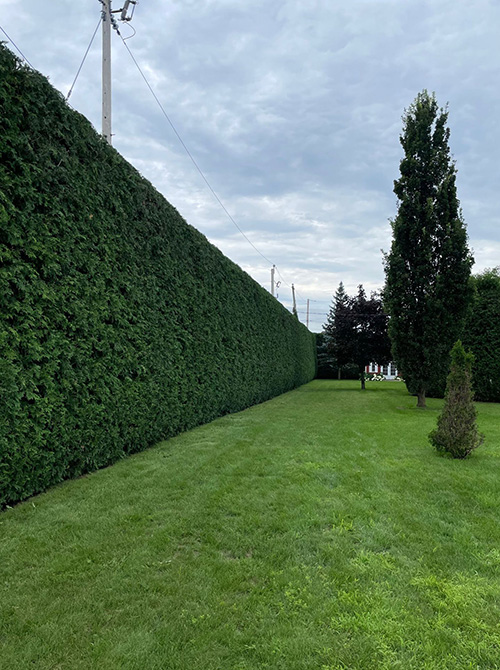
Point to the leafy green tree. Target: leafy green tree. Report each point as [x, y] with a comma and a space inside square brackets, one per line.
[456, 431]
[428, 267]
[482, 335]
[371, 341]
[356, 330]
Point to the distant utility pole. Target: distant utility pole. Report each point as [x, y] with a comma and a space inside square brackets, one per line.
[106, 69]
[107, 23]
[307, 316]
[272, 279]
[293, 298]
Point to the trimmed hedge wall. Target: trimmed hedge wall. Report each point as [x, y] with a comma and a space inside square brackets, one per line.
[120, 325]
[482, 336]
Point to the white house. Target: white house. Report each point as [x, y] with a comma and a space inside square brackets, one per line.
[389, 371]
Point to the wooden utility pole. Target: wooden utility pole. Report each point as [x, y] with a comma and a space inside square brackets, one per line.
[272, 279]
[307, 313]
[106, 69]
[294, 310]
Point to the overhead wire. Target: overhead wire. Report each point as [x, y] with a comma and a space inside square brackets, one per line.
[183, 144]
[186, 149]
[280, 276]
[84, 58]
[130, 36]
[16, 47]
[169, 120]
[189, 153]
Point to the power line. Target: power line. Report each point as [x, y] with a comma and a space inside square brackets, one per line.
[83, 60]
[191, 157]
[301, 311]
[282, 280]
[189, 153]
[115, 26]
[16, 47]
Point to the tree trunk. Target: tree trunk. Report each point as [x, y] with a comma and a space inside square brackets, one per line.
[362, 377]
[338, 376]
[421, 400]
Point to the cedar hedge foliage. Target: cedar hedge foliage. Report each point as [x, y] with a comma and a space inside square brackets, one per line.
[120, 325]
[482, 335]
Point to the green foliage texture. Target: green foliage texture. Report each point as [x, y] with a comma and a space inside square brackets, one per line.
[327, 363]
[120, 325]
[456, 432]
[482, 335]
[371, 342]
[339, 328]
[427, 270]
[356, 331]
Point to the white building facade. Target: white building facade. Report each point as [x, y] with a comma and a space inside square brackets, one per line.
[389, 371]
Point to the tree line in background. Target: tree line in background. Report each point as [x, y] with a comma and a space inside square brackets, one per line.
[356, 333]
[430, 299]
[480, 335]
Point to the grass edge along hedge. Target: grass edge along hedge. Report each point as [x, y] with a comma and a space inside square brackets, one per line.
[120, 324]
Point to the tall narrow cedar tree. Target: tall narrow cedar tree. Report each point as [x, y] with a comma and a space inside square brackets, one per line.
[428, 267]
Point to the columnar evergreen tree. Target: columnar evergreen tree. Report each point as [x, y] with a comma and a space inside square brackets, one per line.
[456, 432]
[428, 267]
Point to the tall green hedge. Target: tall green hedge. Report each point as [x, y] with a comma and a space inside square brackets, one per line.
[120, 324]
[482, 336]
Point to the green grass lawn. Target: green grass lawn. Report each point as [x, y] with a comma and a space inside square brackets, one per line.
[318, 530]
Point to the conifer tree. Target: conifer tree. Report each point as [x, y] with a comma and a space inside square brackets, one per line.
[356, 330]
[339, 329]
[428, 266]
[371, 342]
[456, 431]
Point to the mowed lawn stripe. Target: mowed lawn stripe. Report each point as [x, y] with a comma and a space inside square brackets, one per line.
[316, 530]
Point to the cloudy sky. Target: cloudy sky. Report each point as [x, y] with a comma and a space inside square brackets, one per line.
[292, 109]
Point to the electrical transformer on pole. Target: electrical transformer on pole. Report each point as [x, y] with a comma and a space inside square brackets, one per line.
[107, 23]
[106, 69]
